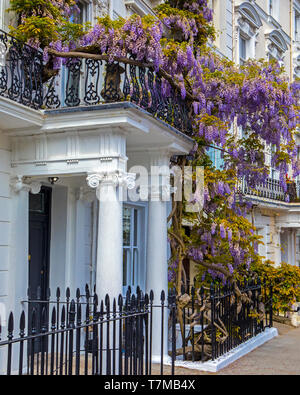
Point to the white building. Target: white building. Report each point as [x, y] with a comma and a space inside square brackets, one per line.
[55, 161]
[265, 29]
[54, 231]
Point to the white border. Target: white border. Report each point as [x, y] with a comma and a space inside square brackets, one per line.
[231, 356]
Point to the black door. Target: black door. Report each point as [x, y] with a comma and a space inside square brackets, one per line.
[39, 253]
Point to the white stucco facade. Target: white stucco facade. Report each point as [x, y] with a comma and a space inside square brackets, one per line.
[93, 151]
[265, 29]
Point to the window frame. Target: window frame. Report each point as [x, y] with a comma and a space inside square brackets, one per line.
[135, 271]
[242, 38]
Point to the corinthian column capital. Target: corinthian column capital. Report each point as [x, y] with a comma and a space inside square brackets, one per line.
[112, 178]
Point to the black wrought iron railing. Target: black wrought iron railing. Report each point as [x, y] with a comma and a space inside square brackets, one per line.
[84, 336]
[217, 320]
[86, 82]
[20, 72]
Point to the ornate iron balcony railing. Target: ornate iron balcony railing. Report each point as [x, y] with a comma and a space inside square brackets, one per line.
[86, 82]
[272, 190]
[20, 72]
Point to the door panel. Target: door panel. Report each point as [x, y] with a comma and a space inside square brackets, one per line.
[39, 251]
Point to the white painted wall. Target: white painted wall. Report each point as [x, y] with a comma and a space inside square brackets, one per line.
[5, 18]
[118, 8]
[18, 262]
[5, 216]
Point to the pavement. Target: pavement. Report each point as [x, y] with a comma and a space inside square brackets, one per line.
[279, 356]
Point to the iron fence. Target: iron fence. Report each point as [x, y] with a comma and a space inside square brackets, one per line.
[84, 336]
[216, 320]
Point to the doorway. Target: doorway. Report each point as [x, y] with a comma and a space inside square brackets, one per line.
[39, 253]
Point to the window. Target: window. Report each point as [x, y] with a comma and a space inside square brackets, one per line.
[131, 247]
[71, 83]
[215, 156]
[274, 173]
[297, 26]
[243, 50]
[84, 15]
[274, 8]
[270, 7]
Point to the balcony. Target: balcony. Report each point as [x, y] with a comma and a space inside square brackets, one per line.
[20, 72]
[86, 82]
[271, 190]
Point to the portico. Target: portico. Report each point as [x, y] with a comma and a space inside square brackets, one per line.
[89, 150]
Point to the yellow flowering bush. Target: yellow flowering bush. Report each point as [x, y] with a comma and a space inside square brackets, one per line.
[285, 280]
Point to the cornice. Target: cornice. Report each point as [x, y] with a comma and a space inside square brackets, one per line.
[139, 6]
[22, 112]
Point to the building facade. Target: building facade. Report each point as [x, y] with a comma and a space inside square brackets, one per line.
[265, 29]
[58, 157]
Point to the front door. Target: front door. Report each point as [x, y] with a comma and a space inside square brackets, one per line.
[39, 251]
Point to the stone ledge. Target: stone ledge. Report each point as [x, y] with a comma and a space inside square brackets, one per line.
[292, 320]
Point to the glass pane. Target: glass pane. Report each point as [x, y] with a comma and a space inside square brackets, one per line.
[126, 266]
[242, 48]
[135, 227]
[126, 226]
[37, 203]
[80, 17]
[135, 265]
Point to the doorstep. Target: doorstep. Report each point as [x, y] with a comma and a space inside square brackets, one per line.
[231, 356]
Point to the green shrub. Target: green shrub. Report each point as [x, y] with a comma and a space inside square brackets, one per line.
[285, 280]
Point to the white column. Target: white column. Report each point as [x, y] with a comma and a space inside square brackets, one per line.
[157, 271]
[157, 258]
[70, 270]
[289, 247]
[109, 265]
[109, 262]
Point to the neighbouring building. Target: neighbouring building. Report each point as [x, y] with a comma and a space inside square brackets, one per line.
[265, 29]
